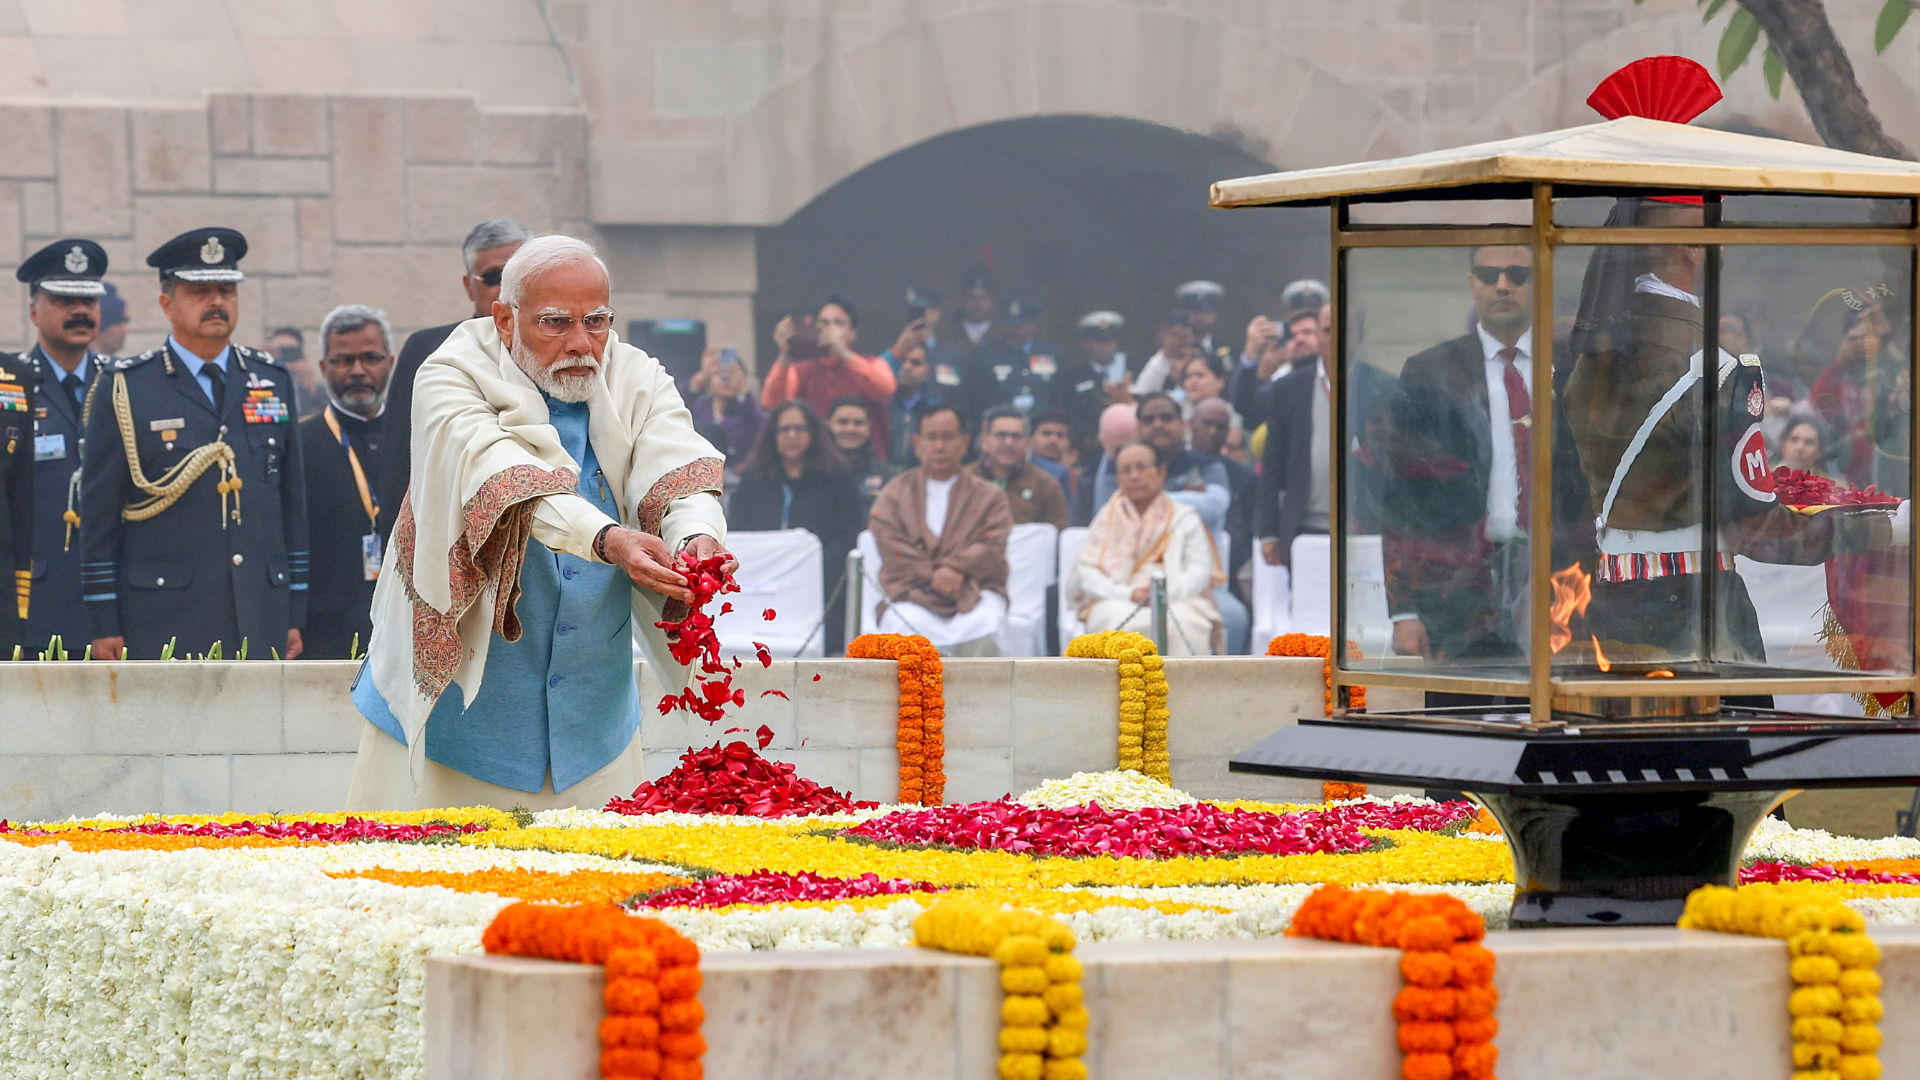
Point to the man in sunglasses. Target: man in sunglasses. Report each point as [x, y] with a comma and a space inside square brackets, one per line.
[529, 558]
[1460, 475]
[485, 252]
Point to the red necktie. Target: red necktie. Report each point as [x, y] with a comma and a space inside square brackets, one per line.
[1519, 408]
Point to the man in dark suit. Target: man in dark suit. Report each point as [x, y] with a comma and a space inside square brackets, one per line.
[1459, 478]
[347, 446]
[217, 551]
[486, 250]
[64, 283]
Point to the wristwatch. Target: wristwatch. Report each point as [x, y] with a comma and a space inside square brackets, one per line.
[600, 543]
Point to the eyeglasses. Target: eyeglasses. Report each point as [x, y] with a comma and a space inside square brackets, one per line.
[365, 359]
[1490, 275]
[491, 279]
[594, 322]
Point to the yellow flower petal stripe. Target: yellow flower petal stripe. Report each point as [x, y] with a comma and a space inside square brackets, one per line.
[1043, 1018]
[1414, 857]
[1835, 1002]
[1143, 698]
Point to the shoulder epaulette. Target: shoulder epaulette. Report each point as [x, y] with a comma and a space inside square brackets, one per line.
[125, 362]
[258, 356]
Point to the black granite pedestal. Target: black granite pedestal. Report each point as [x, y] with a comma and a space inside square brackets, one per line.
[1610, 823]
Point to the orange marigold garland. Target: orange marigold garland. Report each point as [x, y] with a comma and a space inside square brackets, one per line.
[922, 738]
[1315, 645]
[652, 1027]
[1446, 1008]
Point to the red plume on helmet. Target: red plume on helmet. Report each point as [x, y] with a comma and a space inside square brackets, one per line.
[1670, 88]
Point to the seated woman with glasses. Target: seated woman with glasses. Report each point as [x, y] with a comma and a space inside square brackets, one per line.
[1139, 531]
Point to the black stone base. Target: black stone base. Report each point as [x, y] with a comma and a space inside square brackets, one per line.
[1622, 860]
[1610, 823]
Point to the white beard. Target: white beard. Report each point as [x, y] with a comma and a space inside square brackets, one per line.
[571, 388]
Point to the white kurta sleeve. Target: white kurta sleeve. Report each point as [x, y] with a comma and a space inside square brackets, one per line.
[1189, 559]
[1096, 585]
[569, 523]
[693, 515]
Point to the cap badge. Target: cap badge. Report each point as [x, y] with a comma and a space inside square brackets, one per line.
[76, 261]
[212, 251]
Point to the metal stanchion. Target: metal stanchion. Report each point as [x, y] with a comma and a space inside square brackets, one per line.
[856, 592]
[1157, 596]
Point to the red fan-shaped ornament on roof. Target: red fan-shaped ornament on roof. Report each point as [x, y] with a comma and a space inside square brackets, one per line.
[1670, 88]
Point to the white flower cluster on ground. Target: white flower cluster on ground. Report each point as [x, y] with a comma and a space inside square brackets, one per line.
[1115, 789]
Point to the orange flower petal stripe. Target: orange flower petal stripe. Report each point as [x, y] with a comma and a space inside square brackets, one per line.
[578, 887]
[922, 737]
[1314, 645]
[1445, 1011]
[652, 1026]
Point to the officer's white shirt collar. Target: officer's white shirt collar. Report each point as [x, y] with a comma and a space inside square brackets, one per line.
[1647, 283]
[1490, 347]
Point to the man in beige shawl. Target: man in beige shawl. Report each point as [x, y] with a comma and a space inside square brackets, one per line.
[556, 475]
[942, 535]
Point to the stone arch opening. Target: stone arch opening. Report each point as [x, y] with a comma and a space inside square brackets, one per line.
[1077, 213]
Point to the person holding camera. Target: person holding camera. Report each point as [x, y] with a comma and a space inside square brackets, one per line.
[816, 363]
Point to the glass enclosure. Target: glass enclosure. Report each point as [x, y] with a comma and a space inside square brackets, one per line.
[1726, 431]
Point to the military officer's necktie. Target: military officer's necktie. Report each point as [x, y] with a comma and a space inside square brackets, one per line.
[74, 387]
[1519, 407]
[212, 371]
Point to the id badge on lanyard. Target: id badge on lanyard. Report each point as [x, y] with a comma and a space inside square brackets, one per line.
[370, 556]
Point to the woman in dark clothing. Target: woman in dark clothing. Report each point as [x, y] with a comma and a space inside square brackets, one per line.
[796, 479]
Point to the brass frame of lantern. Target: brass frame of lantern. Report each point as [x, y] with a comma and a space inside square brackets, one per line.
[1543, 236]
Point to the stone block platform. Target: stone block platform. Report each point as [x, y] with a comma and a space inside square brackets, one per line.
[1632, 1004]
[188, 737]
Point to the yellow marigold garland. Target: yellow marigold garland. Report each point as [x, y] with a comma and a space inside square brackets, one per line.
[1143, 698]
[1835, 1002]
[922, 738]
[1043, 1019]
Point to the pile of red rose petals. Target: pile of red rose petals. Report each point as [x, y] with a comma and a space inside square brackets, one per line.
[1796, 487]
[1779, 871]
[769, 887]
[1370, 814]
[315, 832]
[1153, 833]
[734, 779]
[692, 638]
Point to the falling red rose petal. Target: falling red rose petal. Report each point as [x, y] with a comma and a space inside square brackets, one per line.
[816, 678]
[692, 637]
[734, 779]
[765, 735]
[781, 694]
[766, 656]
[768, 615]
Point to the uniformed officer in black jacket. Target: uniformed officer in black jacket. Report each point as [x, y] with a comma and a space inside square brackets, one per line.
[193, 500]
[1014, 365]
[16, 483]
[66, 293]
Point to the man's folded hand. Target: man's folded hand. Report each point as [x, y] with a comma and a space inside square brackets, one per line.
[647, 561]
[947, 581]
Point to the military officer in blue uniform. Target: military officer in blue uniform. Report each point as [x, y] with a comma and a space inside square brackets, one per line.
[193, 498]
[1014, 365]
[16, 495]
[65, 292]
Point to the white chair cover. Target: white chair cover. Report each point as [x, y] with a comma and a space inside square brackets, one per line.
[1032, 549]
[1070, 625]
[1312, 559]
[870, 594]
[779, 570]
[1272, 603]
[1368, 624]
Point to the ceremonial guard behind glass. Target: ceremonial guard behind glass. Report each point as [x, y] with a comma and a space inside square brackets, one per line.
[66, 293]
[193, 501]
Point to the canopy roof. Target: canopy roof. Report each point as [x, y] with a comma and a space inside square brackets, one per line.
[1630, 151]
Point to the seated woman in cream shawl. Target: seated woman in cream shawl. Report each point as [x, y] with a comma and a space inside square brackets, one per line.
[1141, 530]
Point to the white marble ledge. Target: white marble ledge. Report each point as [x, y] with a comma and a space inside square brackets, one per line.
[1646, 1004]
